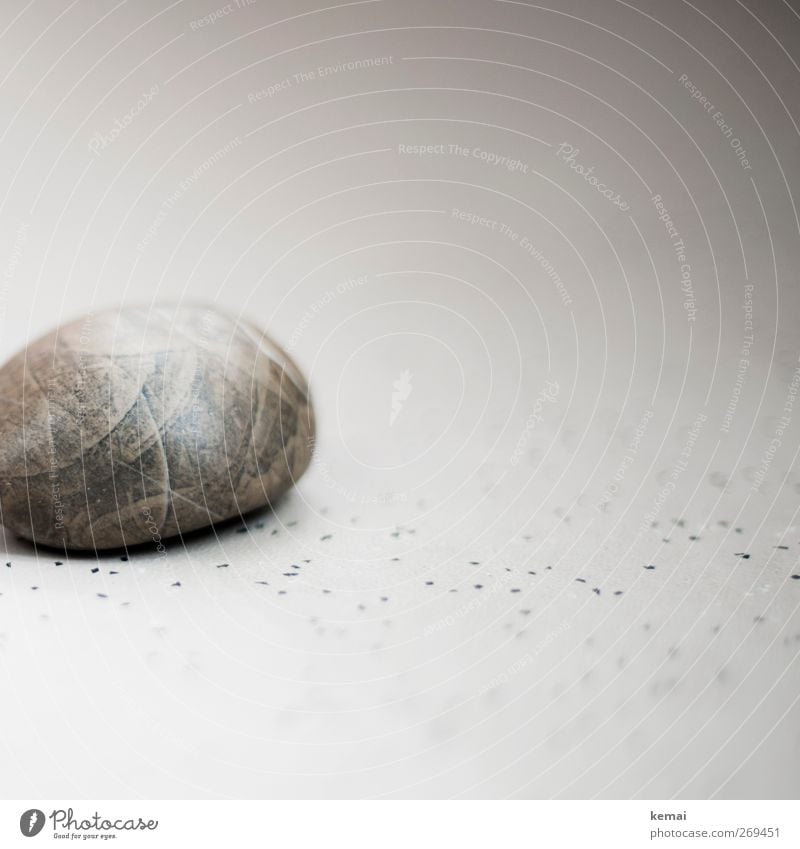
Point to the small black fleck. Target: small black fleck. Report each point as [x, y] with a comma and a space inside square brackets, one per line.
[274, 531]
[361, 607]
[176, 584]
[428, 583]
[596, 590]
[327, 592]
[474, 562]
[112, 572]
[9, 565]
[515, 590]
[34, 588]
[617, 592]
[264, 583]
[742, 555]
[241, 530]
[738, 530]
[124, 557]
[582, 580]
[781, 547]
[222, 566]
[478, 586]
[326, 536]
[694, 538]
[526, 612]
[95, 570]
[102, 595]
[290, 574]
[281, 592]
[58, 562]
[384, 598]
[651, 567]
[291, 524]
[722, 523]
[796, 577]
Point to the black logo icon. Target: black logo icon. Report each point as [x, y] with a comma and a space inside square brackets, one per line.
[31, 822]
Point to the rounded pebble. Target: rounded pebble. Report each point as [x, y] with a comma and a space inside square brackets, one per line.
[134, 425]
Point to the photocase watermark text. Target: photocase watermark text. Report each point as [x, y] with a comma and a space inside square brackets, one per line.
[568, 154]
[547, 395]
[100, 141]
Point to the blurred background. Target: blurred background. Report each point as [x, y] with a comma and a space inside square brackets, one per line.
[539, 263]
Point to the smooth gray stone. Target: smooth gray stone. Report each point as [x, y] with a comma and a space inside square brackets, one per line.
[134, 425]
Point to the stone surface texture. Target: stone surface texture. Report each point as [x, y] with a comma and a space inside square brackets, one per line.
[134, 425]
